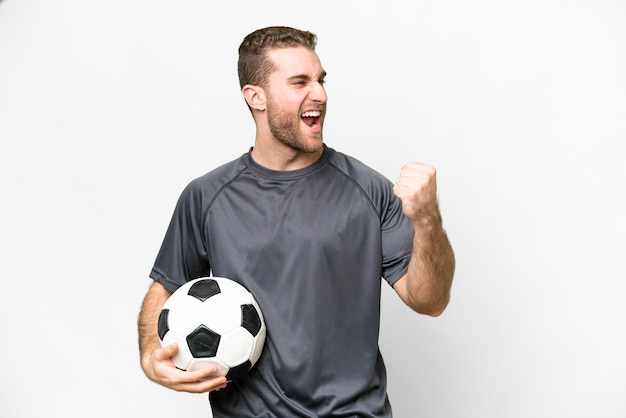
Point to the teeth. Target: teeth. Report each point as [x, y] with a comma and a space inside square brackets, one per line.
[312, 114]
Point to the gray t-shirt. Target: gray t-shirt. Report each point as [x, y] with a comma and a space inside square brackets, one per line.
[311, 245]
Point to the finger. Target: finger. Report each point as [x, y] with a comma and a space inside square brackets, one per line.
[416, 170]
[416, 177]
[417, 166]
[402, 191]
[202, 386]
[411, 184]
[166, 352]
[203, 374]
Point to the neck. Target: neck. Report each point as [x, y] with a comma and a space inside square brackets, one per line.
[281, 157]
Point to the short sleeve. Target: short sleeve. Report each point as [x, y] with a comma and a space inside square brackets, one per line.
[183, 253]
[397, 239]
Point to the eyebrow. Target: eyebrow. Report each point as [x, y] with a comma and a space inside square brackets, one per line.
[306, 77]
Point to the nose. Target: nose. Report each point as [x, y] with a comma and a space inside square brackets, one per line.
[318, 93]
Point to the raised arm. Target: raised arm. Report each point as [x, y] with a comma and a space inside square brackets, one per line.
[156, 362]
[426, 286]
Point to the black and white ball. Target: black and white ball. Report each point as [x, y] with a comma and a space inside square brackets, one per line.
[214, 321]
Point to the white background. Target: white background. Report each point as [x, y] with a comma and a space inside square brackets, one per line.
[108, 109]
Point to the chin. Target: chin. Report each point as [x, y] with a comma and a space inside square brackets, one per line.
[314, 146]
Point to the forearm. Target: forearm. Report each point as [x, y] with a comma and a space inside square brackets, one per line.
[147, 322]
[156, 361]
[431, 267]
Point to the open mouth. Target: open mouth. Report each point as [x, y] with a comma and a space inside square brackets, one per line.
[311, 118]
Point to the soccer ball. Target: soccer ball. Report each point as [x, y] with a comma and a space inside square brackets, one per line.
[215, 321]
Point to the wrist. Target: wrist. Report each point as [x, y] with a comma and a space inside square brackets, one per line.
[427, 220]
[146, 361]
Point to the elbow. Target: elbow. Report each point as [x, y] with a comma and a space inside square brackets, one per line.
[433, 308]
[434, 312]
[425, 300]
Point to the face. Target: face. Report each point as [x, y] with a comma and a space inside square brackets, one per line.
[296, 99]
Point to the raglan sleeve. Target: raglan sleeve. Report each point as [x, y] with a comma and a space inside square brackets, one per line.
[183, 255]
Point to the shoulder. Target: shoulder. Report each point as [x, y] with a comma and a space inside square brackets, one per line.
[366, 177]
[219, 176]
[355, 168]
[204, 188]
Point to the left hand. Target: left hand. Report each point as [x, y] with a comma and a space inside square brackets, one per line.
[417, 189]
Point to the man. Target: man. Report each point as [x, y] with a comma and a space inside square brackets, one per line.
[310, 232]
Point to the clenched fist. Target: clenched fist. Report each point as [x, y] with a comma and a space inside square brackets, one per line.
[417, 189]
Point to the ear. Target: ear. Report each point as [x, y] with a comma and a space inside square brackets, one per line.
[255, 96]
